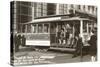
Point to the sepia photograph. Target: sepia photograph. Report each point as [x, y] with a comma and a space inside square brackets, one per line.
[52, 33]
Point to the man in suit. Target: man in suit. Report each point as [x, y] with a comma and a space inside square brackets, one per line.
[62, 36]
[78, 46]
[93, 45]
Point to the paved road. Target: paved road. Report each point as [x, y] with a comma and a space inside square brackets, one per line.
[41, 57]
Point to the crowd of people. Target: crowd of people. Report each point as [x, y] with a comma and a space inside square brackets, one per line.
[92, 49]
[66, 38]
[75, 41]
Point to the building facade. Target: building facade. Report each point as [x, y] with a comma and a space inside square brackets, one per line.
[24, 12]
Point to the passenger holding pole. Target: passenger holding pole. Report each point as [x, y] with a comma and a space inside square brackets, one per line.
[62, 37]
[78, 47]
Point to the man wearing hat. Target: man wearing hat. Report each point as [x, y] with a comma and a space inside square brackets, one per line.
[93, 44]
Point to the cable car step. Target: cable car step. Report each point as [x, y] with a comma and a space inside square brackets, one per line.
[62, 49]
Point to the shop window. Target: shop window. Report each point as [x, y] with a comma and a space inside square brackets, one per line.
[40, 9]
[51, 9]
[63, 8]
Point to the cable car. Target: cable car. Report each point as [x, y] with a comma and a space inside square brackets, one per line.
[43, 32]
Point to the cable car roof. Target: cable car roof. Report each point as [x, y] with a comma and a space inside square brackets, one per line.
[55, 19]
[75, 18]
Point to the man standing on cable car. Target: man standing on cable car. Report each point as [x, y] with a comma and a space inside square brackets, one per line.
[78, 46]
[62, 36]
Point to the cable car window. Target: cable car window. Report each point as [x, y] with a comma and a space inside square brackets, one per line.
[23, 28]
[40, 28]
[33, 28]
[28, 28]
[90, 28]
[59, 27]
[46, 26]
[84, 27]
[53, 28]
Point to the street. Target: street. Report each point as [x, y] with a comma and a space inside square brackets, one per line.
[46, 57]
